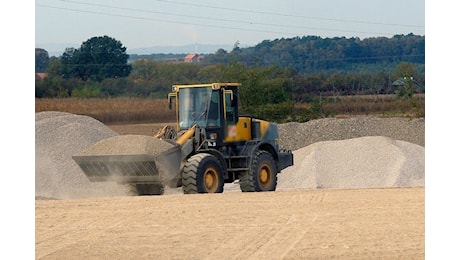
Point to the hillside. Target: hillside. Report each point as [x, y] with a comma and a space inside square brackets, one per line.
[310, 54]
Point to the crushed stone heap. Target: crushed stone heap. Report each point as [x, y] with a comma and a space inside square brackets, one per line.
[364, 162]
[294, 135]
[129, 144]
[58, 136]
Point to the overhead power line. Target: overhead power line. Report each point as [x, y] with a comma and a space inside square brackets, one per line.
[161, 20]
[238, 21]
[291, 15]
[197, 24]
[382, 57]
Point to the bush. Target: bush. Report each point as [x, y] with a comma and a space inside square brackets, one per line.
[314, 111]
[87, 91]
[271, 112]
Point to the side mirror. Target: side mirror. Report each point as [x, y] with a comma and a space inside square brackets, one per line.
[170, 97]
[234, 102]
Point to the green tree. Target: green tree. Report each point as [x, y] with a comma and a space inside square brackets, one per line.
[42, 60]
[97, 59]
[87, 91]
[55, 67]
[406, 71]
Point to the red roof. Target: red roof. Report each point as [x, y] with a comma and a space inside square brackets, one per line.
[41, 75]
[190, 57]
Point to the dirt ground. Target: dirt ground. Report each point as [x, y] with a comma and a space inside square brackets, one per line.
[293, 224]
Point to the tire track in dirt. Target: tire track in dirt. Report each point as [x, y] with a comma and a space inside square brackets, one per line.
[289, 234]
[273, 233]
[318, 224]
[284, 239]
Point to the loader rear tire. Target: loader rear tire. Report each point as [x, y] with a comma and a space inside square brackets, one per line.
[261, 176]
[144, 189]
[202, 173]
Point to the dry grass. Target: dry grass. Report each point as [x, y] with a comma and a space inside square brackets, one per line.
[145, 110]
[376, 105]
[111, 110]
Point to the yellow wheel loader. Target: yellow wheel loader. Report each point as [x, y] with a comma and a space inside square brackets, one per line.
[211, 145]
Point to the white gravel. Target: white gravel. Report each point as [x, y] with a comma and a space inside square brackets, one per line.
[294, 135]
[58, 136]
[129, 144]
[364, 162]
[328, 153]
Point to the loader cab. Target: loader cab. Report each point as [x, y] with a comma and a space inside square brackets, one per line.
[200, 106]
[210, 106]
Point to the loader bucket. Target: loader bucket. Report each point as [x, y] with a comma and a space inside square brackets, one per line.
[131, 159]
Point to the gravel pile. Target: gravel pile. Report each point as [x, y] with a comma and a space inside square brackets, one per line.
[129, 144]
[58, 136]
[364, 162]
[294, 136]
[362, 152]
[328, 153]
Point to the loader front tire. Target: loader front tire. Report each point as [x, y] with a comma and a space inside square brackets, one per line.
[202, 173]
[261, 176]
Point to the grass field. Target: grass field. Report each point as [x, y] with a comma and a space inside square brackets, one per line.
[377, 105]
[111, 110]
[126, 110]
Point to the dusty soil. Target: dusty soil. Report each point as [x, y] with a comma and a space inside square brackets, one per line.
[298, 224]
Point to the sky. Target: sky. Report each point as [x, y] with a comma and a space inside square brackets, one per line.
[146, 23]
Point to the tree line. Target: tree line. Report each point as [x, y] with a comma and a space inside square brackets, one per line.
[313, 54]
[281, 71]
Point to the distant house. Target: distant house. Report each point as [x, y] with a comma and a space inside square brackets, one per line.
[193, 58]
[41, 75]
